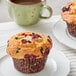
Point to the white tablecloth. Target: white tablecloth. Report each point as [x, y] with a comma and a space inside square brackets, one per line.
[9, 28]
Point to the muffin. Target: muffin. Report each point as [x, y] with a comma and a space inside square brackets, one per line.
[29, 51]
[69, 16]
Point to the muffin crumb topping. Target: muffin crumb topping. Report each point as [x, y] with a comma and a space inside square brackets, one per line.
[31, 45]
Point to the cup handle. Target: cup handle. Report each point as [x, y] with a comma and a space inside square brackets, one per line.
[50, 11]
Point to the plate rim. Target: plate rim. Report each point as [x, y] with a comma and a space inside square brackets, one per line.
[68, 61]
[57, 37]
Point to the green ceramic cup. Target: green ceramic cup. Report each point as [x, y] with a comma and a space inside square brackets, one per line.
[27, 14]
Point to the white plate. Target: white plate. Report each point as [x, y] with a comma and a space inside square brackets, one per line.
[63, 66]
[61, 34]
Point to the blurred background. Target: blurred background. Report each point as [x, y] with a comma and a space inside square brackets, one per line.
[55, 4]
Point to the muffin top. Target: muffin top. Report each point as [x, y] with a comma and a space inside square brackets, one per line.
[69, 12]
[28, 44]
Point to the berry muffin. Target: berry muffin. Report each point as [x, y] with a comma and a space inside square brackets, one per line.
[69, 16]
[29, 51]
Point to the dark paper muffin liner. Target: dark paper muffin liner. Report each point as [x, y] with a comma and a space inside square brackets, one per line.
[72, 29]
[30, 65]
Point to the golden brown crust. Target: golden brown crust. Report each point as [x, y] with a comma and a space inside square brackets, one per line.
[28, 43]
[70, 15]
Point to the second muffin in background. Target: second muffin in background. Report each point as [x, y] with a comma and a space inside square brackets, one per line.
[69, 16]
[29, 51]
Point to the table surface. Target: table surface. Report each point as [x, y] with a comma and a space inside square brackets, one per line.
[7, 27]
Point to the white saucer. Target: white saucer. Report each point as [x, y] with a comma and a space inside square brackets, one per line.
[61, 34]
[63, 66]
